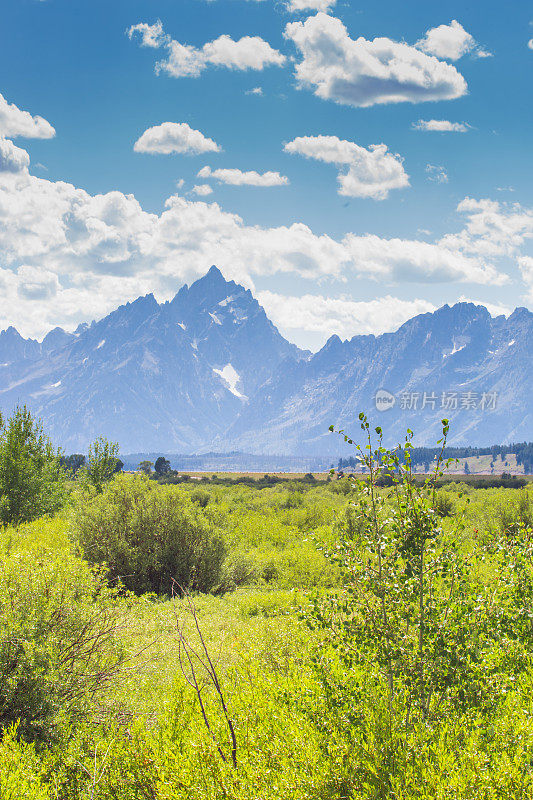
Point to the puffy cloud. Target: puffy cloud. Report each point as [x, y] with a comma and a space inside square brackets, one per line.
[447, 41]
[105, 249]
[492, 230]
[436, 173]
[250, 52]
[236, 177]
[175, 137]
[530, 44]
[296, 6]
[325, 316]
[202, 190]
[346, 318]
[405, 260]
[14, 122]
[257, 90]
[12, 158]
[441, 126]
[149, 35]
[37, 301]
[183, 60]
[365, 73]
[372, 172]
[36, 284]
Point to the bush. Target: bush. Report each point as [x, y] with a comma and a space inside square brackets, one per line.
[21, 770]
[152, 538]
[200, 497]
[58, 640]
[444, 505]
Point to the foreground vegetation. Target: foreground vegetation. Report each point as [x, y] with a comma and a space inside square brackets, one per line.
[312, 640]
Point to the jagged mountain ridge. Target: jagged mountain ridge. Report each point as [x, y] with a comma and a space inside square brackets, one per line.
[209, 371]
[456, 355]
[150, 376]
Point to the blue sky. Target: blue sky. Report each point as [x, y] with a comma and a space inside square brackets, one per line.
[84, 226]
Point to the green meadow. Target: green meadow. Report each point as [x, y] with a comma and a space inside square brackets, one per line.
[319, 640]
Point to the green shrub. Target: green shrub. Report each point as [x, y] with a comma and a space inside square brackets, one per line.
[294, 499]
[21, 771]
[239, 569]
[200, 497]
[444, 505]
[58, 639]
[150, 537]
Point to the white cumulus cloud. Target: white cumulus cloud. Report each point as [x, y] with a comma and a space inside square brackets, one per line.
[175, 137]
[493, 229]
[236, 177]
[183, 60]
[15, 122]
[371, 172]
[447, 41]
[149, 35]
[360, 72]
[440, 126]
[83, 254]
[297, 6]
[12, 158]
[202, 190]
[345, 317]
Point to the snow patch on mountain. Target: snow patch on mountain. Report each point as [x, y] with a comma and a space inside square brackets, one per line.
[227, 300]
[231, 378]
[455, 350]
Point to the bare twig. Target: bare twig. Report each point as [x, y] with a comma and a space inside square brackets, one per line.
[187, 655]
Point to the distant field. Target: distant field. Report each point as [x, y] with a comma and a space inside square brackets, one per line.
[481, 466]
[319, 476]
[476, 466]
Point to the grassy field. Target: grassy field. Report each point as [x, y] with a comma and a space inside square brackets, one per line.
[309, 720]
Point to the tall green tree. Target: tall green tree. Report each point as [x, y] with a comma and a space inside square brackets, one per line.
[32, 481]
[103, 462]
[162, 466]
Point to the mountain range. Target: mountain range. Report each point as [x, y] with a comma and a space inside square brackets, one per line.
[208, 371]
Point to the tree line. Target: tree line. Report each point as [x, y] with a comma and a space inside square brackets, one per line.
[426, 455]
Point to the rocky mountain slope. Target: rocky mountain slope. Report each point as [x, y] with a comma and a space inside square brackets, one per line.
[167, 377]
[458, 363]
[209, 371]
